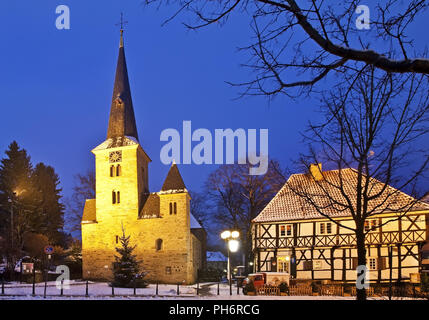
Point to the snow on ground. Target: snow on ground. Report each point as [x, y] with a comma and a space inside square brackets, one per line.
[102, 291]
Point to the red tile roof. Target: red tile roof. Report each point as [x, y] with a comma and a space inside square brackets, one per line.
[301, 196]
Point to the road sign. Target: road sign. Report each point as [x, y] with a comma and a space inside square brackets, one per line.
[49, 249]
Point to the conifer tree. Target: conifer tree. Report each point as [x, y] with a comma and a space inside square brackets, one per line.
[126, 268]
[46, 182]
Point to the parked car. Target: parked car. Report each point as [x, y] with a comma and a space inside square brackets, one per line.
[271, 278]
[257, 278]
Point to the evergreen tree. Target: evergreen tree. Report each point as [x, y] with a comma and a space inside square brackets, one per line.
[33, 196]
[52, 210]
[18, 193]
[126, 268]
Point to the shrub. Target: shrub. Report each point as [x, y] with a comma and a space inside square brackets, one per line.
[283, 287]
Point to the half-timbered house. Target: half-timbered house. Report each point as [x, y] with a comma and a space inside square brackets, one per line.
[291, 235]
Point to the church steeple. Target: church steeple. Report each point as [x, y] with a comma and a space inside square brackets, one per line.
[122, 121]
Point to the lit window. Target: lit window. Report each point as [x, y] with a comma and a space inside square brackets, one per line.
[282, 231]
[322, 228]
[289, 230]
[370, 224]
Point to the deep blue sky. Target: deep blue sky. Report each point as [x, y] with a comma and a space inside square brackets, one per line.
[56, 85]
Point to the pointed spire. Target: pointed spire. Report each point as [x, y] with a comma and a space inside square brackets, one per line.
[174, 180]
[122, 121]
[121, 41]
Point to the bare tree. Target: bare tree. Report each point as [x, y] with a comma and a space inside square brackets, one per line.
[84, 189]
[309, 40]
[374, 123]
[200, 208]
[239, 197]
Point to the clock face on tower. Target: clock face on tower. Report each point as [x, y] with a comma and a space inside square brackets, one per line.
[115, 156]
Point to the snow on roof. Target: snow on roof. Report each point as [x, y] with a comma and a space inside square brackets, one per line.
[194, 223]
[289, 205]
[215, 256]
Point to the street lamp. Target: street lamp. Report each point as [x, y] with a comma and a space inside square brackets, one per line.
[231, 238]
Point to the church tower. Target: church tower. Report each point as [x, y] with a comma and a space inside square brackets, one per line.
[121, 165]
[168, 239]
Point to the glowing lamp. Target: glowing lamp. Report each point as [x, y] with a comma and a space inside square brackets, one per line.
[235, 234]
[233, 245]
[226, 234]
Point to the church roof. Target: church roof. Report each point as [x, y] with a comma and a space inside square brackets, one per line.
[216, 256]
[122, 121]
[116, 142]
[174, 181]
[151, 207]
[194, 223]
[289, 203]
[89, 215]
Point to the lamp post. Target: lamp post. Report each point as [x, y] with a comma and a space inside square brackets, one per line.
[11, 223]
[231, 239]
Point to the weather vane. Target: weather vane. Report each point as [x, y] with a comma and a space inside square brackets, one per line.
[122, 22]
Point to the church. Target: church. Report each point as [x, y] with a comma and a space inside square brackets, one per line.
[170, 243]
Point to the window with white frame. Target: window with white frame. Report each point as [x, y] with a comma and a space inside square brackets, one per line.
[372, 263]
[286, 230]
[370, 225]
[325, 227]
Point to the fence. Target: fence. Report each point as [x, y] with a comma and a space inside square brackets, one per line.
[267, 290]
[369, 291]
[300, 291]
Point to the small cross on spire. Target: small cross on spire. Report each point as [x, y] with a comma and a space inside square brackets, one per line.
[121, 24]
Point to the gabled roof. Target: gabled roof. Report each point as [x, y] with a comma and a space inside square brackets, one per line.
[194, 223]
[122, 121]
[89, 215]
[289, 204]
[151, 207]
[216, 256]
[174, 181]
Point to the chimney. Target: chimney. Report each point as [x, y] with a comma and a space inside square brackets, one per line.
[316, 171]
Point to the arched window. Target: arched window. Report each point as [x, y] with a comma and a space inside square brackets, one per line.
[158, 244]
[118, 197]
[175, 208]
[118, 170]
[113, 197]
[171, 208]
[112, 171]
